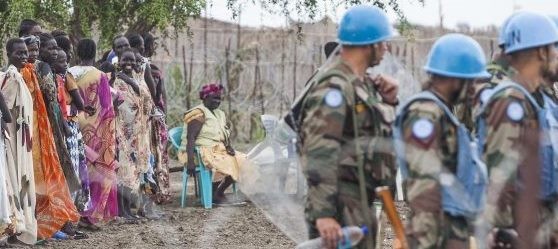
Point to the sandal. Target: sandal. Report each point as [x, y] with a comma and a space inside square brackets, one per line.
[80, 235]
[14, 241]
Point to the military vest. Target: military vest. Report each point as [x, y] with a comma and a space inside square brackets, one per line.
[463, 192]
[548, 124]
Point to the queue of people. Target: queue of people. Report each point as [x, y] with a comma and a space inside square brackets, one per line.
[477, 148]
[80, 146]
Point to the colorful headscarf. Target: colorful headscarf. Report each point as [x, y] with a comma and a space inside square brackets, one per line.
[211, 88]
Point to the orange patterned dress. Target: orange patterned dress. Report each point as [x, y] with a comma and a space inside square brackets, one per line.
[54, 203]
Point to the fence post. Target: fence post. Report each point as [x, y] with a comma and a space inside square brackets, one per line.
[294, 66]
[185, 76]
[205, 46]
[189, 100]
[227, 75]
[283, 55]
[413, 71]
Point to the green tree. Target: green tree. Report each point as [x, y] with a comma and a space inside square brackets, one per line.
[311, 7]
[109, 17]
[112, 17]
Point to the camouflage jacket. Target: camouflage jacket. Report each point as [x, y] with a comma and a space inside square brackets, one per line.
[431, 144]
[329, 150]
[549, 214]
[499, 71]
[511, 153]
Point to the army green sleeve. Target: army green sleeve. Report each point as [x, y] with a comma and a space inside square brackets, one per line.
[323, 124]
[422, 133]
[511, 153]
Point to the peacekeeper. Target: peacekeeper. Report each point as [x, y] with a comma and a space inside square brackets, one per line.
[444, 177]
[511, 128]
[346, 120]
[498, 69]
[547, 235]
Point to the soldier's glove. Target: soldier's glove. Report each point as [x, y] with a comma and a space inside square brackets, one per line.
[503, 239]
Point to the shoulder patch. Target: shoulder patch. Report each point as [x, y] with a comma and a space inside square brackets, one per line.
[447, 179]
[485, 95]
[333, 98]
[515, 111]
[423, 128]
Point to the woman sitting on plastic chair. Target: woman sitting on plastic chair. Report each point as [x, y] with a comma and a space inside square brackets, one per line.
[205, 128]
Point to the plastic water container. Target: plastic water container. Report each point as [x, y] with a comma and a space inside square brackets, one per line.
[351, 237]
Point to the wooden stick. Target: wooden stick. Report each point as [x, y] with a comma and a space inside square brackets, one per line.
[389, 207]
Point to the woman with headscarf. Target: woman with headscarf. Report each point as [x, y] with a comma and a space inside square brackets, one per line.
[55, 209]
[206, 129]
[98, 132]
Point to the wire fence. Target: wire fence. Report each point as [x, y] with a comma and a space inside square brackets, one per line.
[263, 70]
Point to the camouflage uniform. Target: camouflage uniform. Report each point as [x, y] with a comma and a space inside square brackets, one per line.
[549, 217]
[500, 71]
[328, 148]
[426, 155]
[511, 153]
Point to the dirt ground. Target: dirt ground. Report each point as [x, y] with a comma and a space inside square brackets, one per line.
[194, 227]
[190, 227]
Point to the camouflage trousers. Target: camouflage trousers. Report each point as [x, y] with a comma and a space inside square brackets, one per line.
[548, 230]
[453, 233]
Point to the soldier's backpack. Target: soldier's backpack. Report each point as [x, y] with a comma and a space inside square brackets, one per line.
[463, 192]
[548, 123]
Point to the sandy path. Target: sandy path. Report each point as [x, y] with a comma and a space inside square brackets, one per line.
[243, 227]
[190, 227]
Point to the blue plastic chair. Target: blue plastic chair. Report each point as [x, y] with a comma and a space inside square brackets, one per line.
[205, 176]
[205, 186]
[175, 136]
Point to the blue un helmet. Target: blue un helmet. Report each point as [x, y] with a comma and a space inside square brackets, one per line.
[502, 33]
[530, 30]
[458, 56]
[555, 20]
[363, 25]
